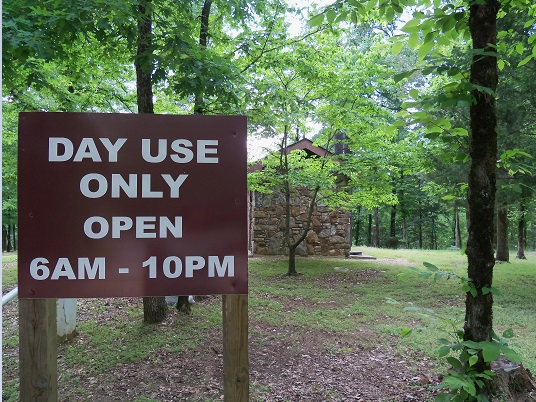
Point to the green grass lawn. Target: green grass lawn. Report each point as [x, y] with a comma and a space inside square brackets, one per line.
[342, 296]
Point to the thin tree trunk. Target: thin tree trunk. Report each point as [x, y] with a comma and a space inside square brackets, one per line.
[503, 252]
[8, 245]
[4, 238]
[457, 230]
[433, 236]
[358, 226]
[393, 242]
[404, 238]
[420, 228]
[154, 308]
[144, 59]
[199, 105]
[183, 305]
[369, 230]
[482, 177]
[376, 228]
[521, 233]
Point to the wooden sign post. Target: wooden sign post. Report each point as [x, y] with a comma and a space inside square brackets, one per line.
[38, 378]
[235, 348]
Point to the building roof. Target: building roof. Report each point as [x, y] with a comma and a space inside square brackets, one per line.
[302, 145]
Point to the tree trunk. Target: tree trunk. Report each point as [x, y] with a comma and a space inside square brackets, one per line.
[183, 305]
[144, 61]
[433, 236]
[482, 176]
[357, 226]
[420, 229]
[457, 230]
[503, 252]
[393, 241]
[521, 232]
[4, 238]
[199, 105]
[154, 308]
[376, 228]
[369, 231]
[404, 238]
[292, 262]
[8, 245]
[153, 312]
[419, 183]
[293, 246]
[15, 237]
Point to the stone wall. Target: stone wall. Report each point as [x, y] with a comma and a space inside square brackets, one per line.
[329, 234]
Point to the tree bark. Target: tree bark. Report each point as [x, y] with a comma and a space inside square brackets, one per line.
[183, 305]
[521, 232]
[15, 237]
[376, 228]
[457, 230]
[154, 308]
[8, 245]
[433, 235]
[420, 228]
[393, 241]
[503, 252]
[482, 176]
[369, 230]
[4, 238]
[199, 105]
[358, 226]
[144, 62]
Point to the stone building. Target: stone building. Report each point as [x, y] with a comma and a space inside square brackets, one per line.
[329, 234]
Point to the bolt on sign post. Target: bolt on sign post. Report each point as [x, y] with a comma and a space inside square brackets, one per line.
[132, 205]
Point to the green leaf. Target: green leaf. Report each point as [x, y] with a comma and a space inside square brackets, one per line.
[512, 355]
[331, 15]
[500, 64]
[449, 23]
[411, 26]
[520, 48]
[490, 351]
[396, 48]
[316, 20]
[442, 398]
[414, 40]
[425, 49]
[508, 334]
[430, 267]
[405, 332]
[472, 360]
[443, 351]
[399, 77]
[525, 60]
[454, 362]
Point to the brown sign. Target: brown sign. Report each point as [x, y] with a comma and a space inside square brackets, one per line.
[114, 205]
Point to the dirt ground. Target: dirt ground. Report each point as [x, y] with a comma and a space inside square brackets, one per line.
[286, 364]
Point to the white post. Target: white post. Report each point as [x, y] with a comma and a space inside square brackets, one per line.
[66, 313]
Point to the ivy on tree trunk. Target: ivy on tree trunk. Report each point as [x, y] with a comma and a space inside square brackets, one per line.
[482, 174]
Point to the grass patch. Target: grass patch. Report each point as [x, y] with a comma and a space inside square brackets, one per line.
[9, 271]
[124, 341]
